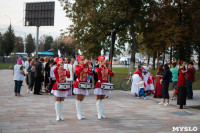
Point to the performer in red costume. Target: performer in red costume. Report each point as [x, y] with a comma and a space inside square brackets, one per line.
[82, 72]
[102, 73]
[60, 75]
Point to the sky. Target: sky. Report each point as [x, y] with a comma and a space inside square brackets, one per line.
[12, 11]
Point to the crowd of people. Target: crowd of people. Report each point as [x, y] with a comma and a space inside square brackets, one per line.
[143, 81]
[49, 74]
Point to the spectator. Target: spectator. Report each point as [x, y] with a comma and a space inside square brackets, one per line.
[52, 79]
[94, 72]
[174, 72]
[165, 84]
[27, 64]
[190, 78]
[31, 73]
[158, 89]
[38, 77]
[181, 75]
[20, 57]
[18, 77]
[46, 73]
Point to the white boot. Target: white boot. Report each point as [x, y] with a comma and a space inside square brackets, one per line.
[78, 109]
[27, 90]
[83, 117]
[101, 109]
[57, 108]
[98, 105]
[61, 105]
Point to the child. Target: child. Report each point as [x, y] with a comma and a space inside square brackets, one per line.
[141, 86]
[151, 82]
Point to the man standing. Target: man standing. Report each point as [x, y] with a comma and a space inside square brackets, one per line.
[27, 64]
[190, 79]
[38, 77]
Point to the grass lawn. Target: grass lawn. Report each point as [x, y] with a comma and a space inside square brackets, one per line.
[6, 65]
[197, 107]
[121, 73]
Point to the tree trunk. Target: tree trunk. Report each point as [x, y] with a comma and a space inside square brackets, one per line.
[148, 60]
[133, 48]
[154, 61]
[171, 55]
[164, 57]
[158, 63]
[199, 61]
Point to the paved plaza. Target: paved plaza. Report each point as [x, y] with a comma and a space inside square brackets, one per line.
[125, 113]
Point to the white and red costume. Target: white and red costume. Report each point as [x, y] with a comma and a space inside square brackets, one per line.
[60, 76]
[102, 73]
[82, 75]
[82, 72]
[136, 79]
[150, 82]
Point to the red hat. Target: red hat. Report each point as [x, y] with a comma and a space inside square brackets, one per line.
[101, 58]
[58, 59]
[80, 57]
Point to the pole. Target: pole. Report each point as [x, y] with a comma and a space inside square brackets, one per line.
[37, 41]
[111, 51]
[25, 43]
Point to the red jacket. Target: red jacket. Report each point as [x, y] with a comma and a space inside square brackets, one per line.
[103, 73]
[82, 74]
[60, 76]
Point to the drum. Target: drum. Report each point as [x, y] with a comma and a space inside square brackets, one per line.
[107, 86]
[64, 86]
[84, 85]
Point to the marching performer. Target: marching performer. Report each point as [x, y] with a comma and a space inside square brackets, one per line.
[82, 72]
[60, 94]
[100, 93]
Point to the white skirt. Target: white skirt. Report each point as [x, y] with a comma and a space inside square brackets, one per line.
[99, 91]
[58, 93]
[81, 91]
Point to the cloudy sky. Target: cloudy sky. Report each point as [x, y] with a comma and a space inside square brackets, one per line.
[13, 10]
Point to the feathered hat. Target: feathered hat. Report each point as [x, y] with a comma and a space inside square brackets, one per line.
[80, 57]
[101, 57]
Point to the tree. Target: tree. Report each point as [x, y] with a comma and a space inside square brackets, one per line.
[48, 42]
[19, 44]
[41, 43]
[30, 44]
[65, 45]
[8, 41]
[1, 44]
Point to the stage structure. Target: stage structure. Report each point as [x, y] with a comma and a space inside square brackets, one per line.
[39, 14]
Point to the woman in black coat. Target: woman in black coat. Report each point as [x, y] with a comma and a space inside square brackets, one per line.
[167, 76]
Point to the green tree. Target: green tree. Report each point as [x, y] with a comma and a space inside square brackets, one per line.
[1, 44]
[30, 44]
[41, 43]
[8, 41]
[48, 42]
[19, 44]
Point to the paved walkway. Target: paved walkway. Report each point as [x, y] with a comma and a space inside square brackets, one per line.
[126, 114]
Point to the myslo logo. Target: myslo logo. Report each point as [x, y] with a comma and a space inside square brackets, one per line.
[185, 129]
